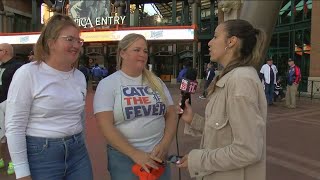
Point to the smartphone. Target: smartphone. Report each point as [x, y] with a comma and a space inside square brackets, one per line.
[174, 159]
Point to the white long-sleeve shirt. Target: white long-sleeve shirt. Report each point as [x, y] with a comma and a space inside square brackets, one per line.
[42, 102]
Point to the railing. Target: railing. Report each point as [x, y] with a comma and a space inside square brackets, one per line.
[313, 89]
[307, 88]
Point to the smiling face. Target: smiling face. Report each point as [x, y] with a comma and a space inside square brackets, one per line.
[66, 48]
[135, 57]
[218, 44]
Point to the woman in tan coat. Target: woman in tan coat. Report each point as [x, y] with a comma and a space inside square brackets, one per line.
[234, 127]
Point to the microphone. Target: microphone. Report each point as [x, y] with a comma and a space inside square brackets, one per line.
[188, 86]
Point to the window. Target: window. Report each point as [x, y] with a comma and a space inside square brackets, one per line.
[21, 23]
[285, 13]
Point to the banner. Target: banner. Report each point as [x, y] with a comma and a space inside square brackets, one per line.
[90, 13]
[107, 36]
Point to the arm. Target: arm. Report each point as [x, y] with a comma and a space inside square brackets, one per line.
[248, 131]
[161, 150]
[261, 74]
[298, 75]
[19, 103]
[194, 123]
[195, 128]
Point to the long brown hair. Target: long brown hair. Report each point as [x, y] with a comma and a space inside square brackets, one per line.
[51, 31]
[252, 41]
[153, 81]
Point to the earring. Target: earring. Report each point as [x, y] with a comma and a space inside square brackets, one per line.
[226, 48]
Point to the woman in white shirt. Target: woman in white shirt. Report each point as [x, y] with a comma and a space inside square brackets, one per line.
[45, 103]
[135, 112]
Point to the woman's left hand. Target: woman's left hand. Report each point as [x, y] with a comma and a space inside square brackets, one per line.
[160, 151]
[183, 163]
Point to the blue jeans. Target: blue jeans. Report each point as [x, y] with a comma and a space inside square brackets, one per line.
[59, 158]
[269, 90]
[120, 165]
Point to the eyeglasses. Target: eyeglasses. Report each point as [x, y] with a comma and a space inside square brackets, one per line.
[72, 39]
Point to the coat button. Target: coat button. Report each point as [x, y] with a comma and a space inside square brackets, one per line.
[196, 173]
[217, 124]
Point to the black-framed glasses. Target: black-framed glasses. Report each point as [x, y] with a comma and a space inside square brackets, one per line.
[72, 39]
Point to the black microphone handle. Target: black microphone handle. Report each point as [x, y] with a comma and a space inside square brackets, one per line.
[185, 96]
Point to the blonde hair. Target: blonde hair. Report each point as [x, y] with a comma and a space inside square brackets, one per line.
[147, 76]
[51, 32]
[252, 42]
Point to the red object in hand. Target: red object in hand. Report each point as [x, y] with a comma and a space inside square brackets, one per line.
[143, 175]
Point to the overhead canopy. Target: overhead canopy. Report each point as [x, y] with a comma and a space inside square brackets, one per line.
[165, 8]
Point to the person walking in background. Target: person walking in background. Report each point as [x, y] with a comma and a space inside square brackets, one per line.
[208, 79]
[96, 72]
[8, 67]
[135, 113]
[86, 72]
[31, 56]
[293, 80]
[104, 72]
[233, 145]
[269, 75]
[183, 71]
[45, 105]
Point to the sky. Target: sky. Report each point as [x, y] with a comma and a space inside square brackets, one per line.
[149, 9]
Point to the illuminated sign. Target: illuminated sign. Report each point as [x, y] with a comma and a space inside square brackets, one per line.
[103, 36]
[160, 34]
[86, 22]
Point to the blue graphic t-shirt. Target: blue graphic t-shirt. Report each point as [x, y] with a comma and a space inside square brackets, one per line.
[138, 110]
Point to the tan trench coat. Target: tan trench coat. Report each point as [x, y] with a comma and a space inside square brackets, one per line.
[233, 145]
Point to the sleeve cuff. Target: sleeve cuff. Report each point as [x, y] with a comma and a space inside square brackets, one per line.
[194, 163]
[22, 170]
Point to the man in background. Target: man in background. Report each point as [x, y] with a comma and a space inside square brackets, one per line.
[210, 74]
[269, 76]
[293, 80]
[8, 67]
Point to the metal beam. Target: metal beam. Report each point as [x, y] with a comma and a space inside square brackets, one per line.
[1, 6]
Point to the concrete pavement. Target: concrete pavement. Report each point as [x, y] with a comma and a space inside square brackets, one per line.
[292, 141]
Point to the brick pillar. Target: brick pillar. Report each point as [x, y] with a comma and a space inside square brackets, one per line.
[315, 48]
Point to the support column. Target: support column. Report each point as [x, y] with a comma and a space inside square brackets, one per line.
[194, 6]
[34, 16]
[185, 11]
[136, 16]
[128, 13]
[256, 11]
[315, 47]
[10, 21]
[2, 18]
[174, 12]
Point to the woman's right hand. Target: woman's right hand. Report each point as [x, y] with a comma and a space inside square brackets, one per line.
[144, 160]
[25, 178]
[186, 113]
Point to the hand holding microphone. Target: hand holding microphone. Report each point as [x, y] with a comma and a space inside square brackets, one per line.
[186, 113]
[188, 86]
